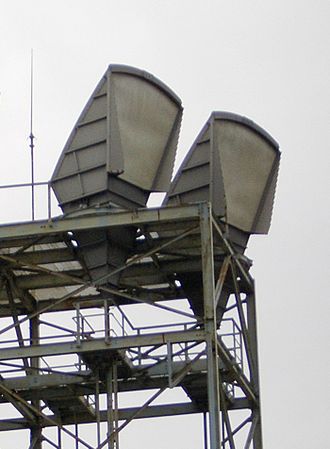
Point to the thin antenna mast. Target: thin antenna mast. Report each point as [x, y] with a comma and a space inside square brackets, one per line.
[31, 137]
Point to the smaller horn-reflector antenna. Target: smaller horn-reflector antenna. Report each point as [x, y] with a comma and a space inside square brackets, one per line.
[234, 164]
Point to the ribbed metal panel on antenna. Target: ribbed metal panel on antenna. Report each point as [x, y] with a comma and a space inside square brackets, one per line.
[122, 148]
[234, 164]
[123, 144]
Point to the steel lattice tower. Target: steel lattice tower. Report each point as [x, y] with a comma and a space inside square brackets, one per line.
[219, 372]
[74, 289]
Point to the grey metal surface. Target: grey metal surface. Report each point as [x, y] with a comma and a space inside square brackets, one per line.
[234, 164]
[121, 149]
[123, 144]
[105, 254]
[40, 255]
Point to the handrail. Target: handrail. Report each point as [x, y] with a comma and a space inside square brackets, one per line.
[34, 184]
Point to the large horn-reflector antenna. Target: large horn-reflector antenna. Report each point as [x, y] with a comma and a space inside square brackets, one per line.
[123, 144]
[121, 149]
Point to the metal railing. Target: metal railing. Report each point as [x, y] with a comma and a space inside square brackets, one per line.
[231, 335]
[32, 186]
[233, 339]
[113, 322]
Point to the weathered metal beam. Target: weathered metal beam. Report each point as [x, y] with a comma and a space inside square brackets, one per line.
[41, 381]
[210, 326]
[35, 431]
[225, 416]
[52, 255]
[238, 375]
[114, 343]
[27, 242]
[154, 411]
[221, 280]
[171, 252]
[50, 280]
[251, 434]
[18, 401]
[191, 242]
[252, 330]
[88, 301]
[18, 329]
[98, 221]
[242, 321]
[25, 297]
[230, 251]
[45, 386]
[12, 397]
[151, 412]
[85, 301]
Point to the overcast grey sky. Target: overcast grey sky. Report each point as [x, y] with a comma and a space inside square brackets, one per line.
[267, 60]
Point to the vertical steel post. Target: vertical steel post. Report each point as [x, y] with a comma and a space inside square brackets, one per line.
[97, 409]
[169, 363]
[252, 331]
[186, 346]
[78, 329]
[210, 326]
[49, 201]
[139, 350]
[106, 322]
[109, 407]
[76, 428]
[205, 430]
[36, 432]
[59, 437]
[115, 402]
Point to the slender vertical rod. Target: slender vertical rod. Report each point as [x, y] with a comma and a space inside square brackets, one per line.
[31, 137]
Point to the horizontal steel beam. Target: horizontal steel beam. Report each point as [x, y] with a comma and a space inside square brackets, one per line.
[27, 242]
[98, 220]
[85, 301]
[152, 371]
[56, 385]
[44, 280]
[52, 255]
[123, 414]
[44, 380]
[115, 343]
[154, 411]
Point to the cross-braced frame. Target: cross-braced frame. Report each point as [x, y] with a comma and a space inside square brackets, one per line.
[72, 345]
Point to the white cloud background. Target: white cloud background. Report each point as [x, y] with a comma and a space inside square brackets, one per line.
[268, 60]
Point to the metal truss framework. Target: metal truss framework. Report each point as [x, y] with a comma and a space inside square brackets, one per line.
[42, 278]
